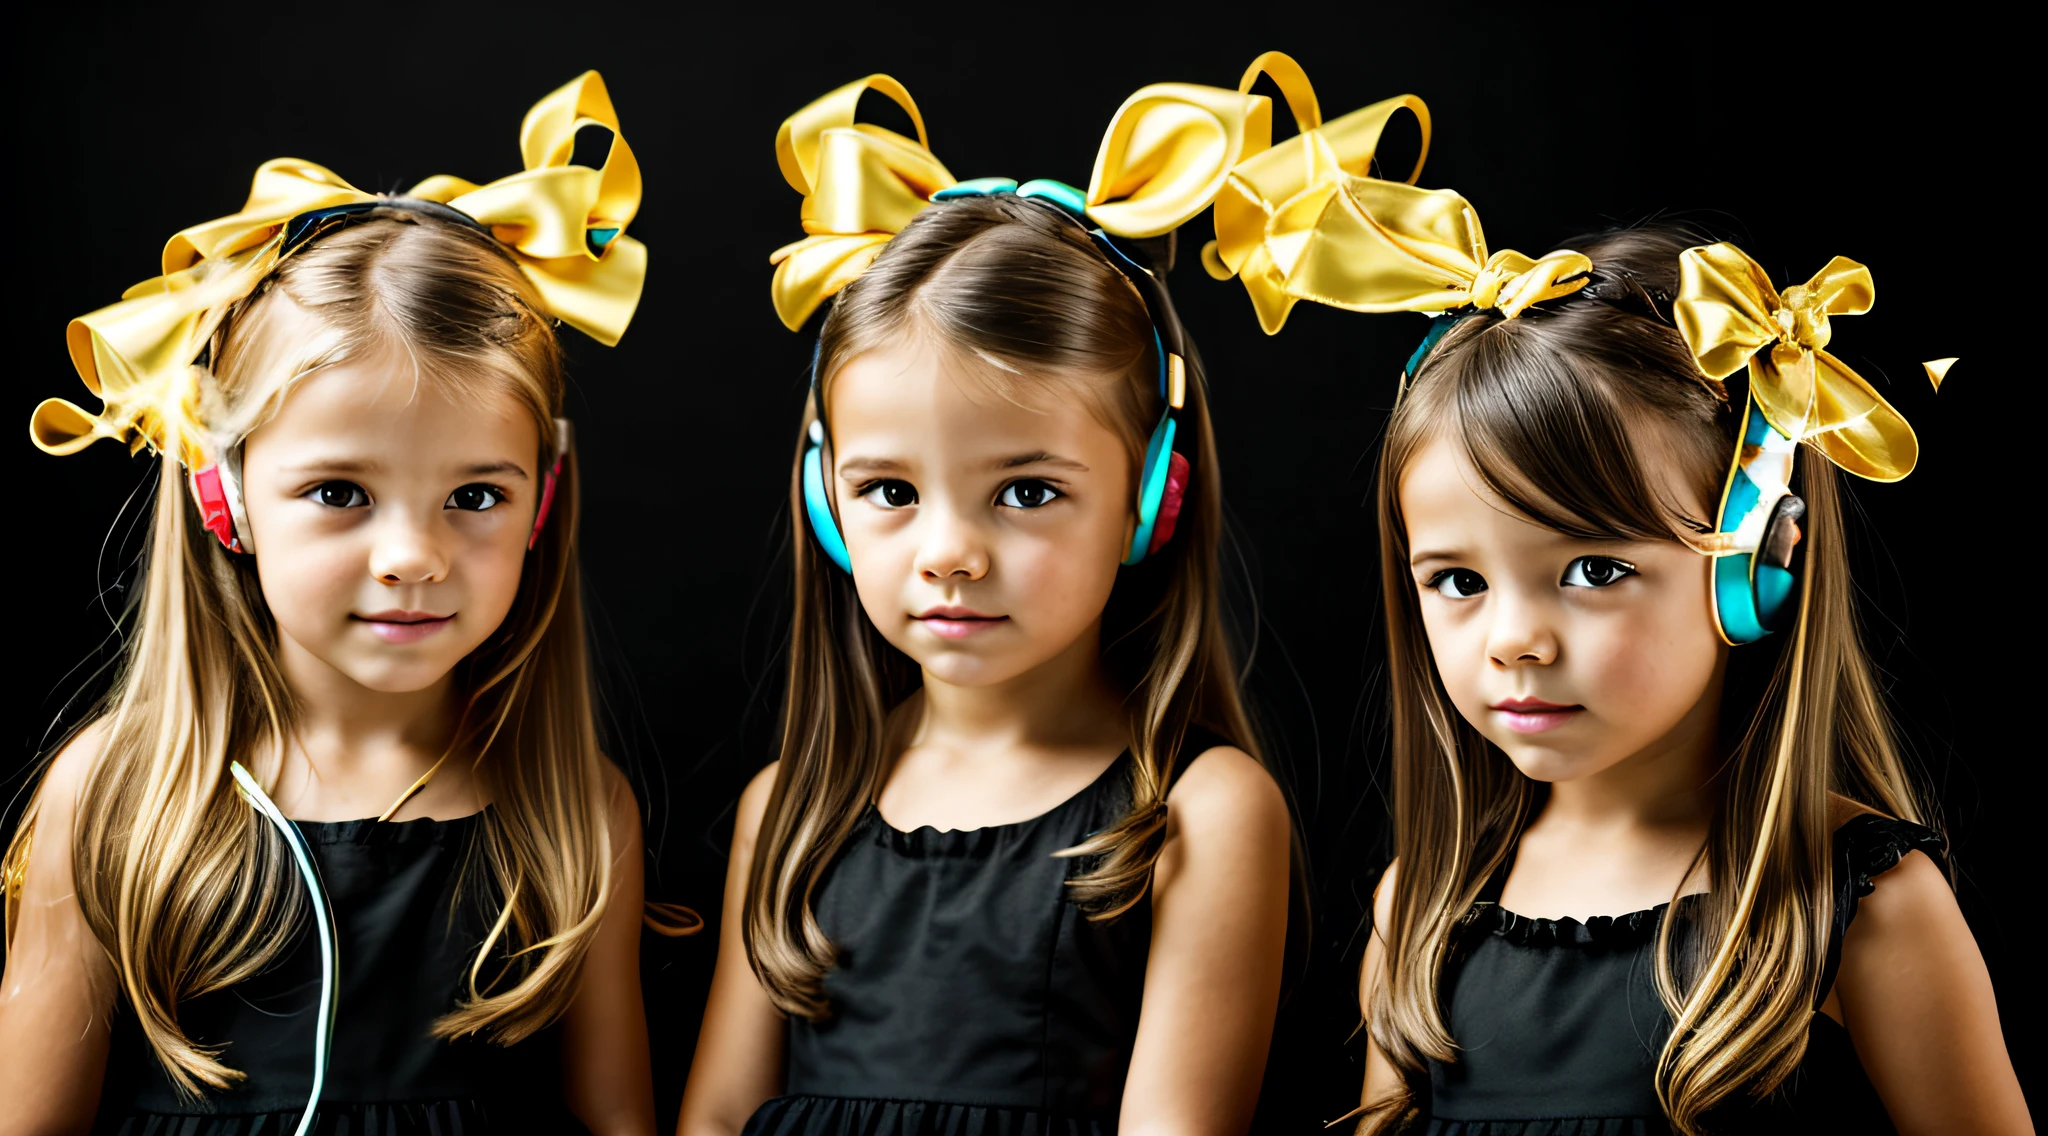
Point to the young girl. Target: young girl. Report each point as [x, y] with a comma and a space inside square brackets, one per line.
[1659, 865]
[1019, 868]
[359, 609]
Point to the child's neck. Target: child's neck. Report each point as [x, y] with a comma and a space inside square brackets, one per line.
[1068, 699]
[1001, 753]
[1623, 839]
[354, 750]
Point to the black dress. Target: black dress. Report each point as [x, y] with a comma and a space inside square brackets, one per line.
[404, 950]
[970, 997]
[1559, 1025]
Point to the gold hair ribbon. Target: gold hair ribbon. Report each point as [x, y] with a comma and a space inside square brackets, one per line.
[1267, 211]
[1731, 316]
[861, 184]
[1163, 160]
[563, 224]
[1306, 221]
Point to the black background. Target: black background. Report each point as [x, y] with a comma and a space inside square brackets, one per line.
[1798, 132]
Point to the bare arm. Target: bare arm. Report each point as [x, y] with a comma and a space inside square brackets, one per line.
[739, 1048]
[1383, 1082]
[1219, 931]
[57, 996]
[608, 1081]
[1919, 1006]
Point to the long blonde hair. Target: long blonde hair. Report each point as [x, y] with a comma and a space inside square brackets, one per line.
[186, 887]
[1551, 409]
[1004, 279]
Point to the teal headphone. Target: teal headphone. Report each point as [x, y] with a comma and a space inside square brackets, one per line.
[1163, 476]
[1755, 589]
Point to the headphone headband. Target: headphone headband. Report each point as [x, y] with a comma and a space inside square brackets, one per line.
[301, 230]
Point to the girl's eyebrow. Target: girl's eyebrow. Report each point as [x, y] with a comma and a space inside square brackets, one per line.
[336, 465]
[871, 465]
[1428, 555]
[361, 465]
[484, 468]
[1040, 457]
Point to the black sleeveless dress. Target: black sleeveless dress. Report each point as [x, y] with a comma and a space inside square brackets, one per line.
[404, 947]
[1559, 1025]
[971, 998]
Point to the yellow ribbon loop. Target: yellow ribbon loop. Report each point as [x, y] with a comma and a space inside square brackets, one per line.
[1169, 151]
[1732, 317]
[1162, 161]
[1269, 212]
[564, 225]
[861, 184]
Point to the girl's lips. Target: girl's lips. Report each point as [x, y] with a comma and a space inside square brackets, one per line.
[958, 622]
[1533, 715]
[404, 626]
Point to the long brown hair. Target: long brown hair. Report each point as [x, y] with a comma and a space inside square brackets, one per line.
[1552, 409]
[1008, 280]
[186, 887]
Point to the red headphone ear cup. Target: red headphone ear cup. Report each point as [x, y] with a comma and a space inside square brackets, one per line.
[547, 504]
[213, 506]
[1177, 471]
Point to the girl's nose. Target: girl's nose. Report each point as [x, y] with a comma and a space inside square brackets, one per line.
[407, 552]
[1520, 634]
[953, 548]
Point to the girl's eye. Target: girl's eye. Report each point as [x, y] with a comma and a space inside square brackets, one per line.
[1596, 572]
[1458, 583]
[1029, 493]
[891, 494]
[475, 498]
[340, 495]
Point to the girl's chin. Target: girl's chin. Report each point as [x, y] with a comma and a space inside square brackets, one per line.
[1551, 763]
[383, 678]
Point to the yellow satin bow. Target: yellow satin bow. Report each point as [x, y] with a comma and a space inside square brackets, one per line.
[1265, 216]
[564, 224]
[1163, 160]
[1732, 317]
[1306, 221]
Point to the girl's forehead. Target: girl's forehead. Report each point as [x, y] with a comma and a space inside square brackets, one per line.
[389, 404]
[914, 388]
[1444, 497]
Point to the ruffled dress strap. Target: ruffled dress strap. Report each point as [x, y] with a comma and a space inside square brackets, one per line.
[1865, 848]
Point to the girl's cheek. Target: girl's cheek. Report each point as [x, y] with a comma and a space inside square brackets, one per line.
[494, 573]
[1459, 649]
[305, 578]
[1649, 667]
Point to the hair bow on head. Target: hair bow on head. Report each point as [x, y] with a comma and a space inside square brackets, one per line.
[563, 224]
[1732, 317]
[1306, 221]
[1163, 160]
[1266, 213]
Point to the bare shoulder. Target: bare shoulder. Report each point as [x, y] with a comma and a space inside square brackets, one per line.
[754, 805]
[65, 778]
[75, 760]
[1912, 889]
[1910, 899]
[1227, 790]
[1383, 896]
[622, 805]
